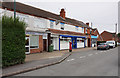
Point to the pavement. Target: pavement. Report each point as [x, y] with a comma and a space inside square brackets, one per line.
[83, 63]
[39, 60]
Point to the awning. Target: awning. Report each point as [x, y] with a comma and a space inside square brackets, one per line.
[72, 36]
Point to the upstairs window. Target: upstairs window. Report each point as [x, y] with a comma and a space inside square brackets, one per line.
[51, 24]
[86, 30]
[90, 31]
[62, 26]
[82, 29]
[76, 28]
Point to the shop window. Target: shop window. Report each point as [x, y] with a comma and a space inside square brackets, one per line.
[34, 41]
[82, 40]
[86, 30]
[82, 29]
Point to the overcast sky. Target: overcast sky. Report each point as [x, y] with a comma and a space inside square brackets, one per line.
[102, 13]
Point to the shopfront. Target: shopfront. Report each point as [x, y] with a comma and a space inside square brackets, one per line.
[35, 42]
[93, 41]
[77, 41]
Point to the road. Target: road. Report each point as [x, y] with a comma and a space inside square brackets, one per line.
[86, 63]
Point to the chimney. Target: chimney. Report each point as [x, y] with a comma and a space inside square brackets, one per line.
[87, 24]
[62, 13]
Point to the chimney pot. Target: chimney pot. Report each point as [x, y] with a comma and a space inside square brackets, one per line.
[87, 24]
[62, 13]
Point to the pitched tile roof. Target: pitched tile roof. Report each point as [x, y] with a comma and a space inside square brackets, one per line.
[107, 35]
[20, 7]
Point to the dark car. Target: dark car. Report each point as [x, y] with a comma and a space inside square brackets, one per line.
[103, 46]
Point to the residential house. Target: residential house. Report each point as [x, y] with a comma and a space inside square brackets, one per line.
[107, 36]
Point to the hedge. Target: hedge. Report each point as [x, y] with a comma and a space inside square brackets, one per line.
[13, 41]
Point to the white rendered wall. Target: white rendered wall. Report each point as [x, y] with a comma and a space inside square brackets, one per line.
[55, 43]
[67, 27]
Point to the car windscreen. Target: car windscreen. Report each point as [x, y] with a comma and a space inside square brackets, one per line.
[102, 43]
[109, 42]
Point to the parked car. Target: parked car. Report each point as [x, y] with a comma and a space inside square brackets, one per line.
[118, 44]
[111, 44]
[103, 46]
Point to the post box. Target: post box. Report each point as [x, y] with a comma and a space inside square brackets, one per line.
[70, 46]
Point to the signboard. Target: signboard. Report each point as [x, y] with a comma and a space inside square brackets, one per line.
[37, 33]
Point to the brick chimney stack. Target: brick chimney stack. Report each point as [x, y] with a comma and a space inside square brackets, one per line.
[62, 13]
[87, 24]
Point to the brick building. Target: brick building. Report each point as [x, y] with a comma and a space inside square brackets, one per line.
[107, 36]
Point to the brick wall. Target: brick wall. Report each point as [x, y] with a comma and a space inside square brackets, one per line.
[88, 31]
[40, 49]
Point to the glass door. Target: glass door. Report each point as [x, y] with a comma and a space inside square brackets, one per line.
[74, 43]
[27, 45]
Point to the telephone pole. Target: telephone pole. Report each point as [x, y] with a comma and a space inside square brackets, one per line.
[116, 28]
[14, 9]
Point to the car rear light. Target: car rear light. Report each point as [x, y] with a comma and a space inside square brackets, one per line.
[105, 45]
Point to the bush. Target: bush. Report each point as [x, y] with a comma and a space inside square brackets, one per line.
[13, 41]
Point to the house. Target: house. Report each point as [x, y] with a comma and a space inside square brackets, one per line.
[45, 28]
[107, 36]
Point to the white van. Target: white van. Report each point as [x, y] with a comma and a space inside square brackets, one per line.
[111, 43]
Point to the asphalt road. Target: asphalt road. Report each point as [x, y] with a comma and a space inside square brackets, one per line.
[87, 63]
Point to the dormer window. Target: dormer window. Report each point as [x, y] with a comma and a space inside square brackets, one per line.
[62, 26]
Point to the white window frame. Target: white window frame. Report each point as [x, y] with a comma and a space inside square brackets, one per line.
[76, 28]
[51, 24]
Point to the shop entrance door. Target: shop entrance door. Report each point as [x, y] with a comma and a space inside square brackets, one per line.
[88, 42]
[44, 44]
[74, 42]
[27, 45]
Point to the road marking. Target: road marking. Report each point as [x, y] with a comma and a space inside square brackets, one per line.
[105, 51]
[82, 56]
[90, 54]
[96, 53]
[71, 60]
[101, 51]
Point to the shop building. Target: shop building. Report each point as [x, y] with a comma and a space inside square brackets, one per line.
[45, 28]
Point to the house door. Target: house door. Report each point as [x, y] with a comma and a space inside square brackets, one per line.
[44, 44]
[74, 43]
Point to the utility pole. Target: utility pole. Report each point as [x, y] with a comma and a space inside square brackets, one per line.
[116, 28]
[14, 9]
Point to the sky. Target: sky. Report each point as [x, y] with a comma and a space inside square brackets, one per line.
[102, 13]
